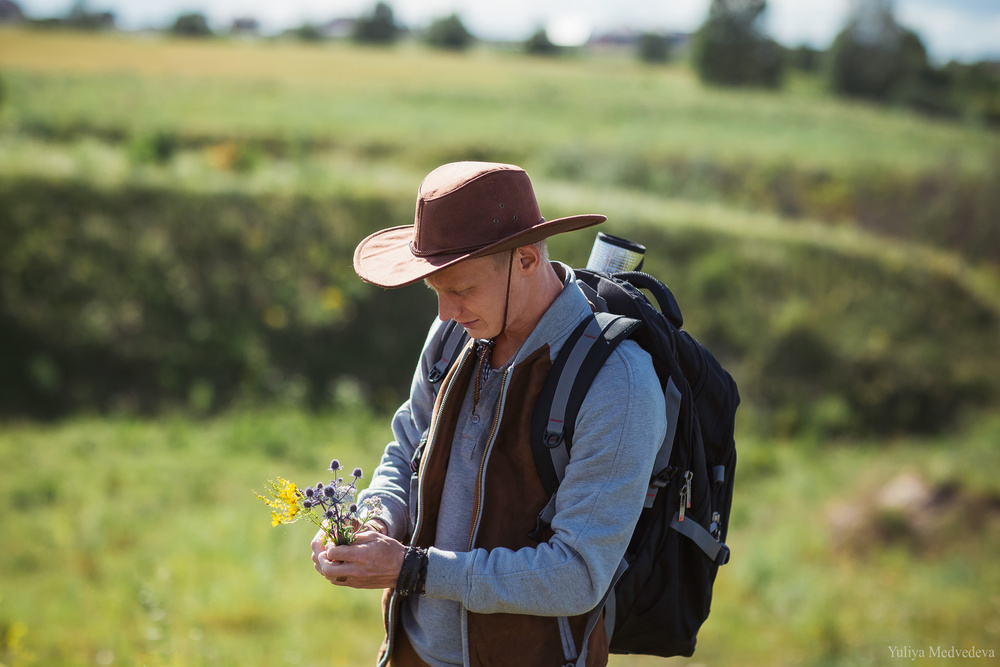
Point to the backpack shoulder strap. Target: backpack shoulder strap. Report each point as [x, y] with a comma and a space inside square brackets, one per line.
[573, 371]
[452, 341]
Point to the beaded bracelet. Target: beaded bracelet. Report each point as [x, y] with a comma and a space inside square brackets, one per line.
[413, 574]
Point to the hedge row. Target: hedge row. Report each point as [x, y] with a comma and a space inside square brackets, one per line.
[142, 299]
[945, 206]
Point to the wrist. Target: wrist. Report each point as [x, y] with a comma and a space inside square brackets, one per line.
[413, 574]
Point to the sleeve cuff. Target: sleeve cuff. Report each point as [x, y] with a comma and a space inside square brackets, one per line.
[447, 574]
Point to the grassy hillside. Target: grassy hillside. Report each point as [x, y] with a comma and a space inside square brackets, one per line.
[306, 114]
[421, 105]
[176, 224]
[829, 252]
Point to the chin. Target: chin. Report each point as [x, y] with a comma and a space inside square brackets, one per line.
[476, 331]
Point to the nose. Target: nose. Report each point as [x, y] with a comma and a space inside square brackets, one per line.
[447, 307]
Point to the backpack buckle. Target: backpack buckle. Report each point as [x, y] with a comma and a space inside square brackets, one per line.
[662, 478]
[437, 372]
[552, 439]
[722, 557]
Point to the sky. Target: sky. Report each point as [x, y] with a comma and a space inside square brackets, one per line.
[951, 29]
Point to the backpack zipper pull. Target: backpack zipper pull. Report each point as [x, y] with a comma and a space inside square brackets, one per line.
[685, 494]
[716, 526]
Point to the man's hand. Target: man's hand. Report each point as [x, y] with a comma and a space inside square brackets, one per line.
[373, 561]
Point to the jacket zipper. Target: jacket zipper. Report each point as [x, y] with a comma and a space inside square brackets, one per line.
[480, 486]
[474, 529]
[390, 625]
[431, 439]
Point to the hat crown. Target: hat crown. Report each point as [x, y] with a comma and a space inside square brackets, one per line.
[465, 206]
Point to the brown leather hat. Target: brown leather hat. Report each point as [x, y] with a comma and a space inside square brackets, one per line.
[464, 210]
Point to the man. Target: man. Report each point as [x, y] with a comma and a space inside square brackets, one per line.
[473, 587]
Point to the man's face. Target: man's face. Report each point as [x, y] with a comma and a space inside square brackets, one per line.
[472, 293]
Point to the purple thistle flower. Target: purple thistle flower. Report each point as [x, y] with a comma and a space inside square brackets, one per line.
[329, 491]
[334, 465]
[307, 504]
[310, 492]
[353, 509]
[358, 473]
[329, 514]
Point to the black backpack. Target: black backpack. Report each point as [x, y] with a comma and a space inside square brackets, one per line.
[662, 591]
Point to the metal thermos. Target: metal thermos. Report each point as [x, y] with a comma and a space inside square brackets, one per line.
[612, 254]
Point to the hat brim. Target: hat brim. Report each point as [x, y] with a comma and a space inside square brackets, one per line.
[384, 258]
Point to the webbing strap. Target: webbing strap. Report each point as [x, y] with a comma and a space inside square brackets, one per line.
[596, 300]
[555, 427]
[566, 632]
[672, 398]
[611, 329]
[454, 339]
[716, 551]
[608, 601]
[574, 369]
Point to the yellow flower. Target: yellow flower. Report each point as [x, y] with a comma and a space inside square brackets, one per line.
[275, 519]
[288, 491]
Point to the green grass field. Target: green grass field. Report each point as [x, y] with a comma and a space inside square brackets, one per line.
[137, 541]
[142, 540]
[416, 105]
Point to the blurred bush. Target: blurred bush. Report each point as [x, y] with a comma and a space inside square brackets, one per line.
[192, 24]
[804, 58]
[156, 147]
[876, 58]
[449, 33]
[539, 44]
[731, 48]
[975, 87]
[653, 47]
[377, 27]
[141, 299]
[874, 61]
[945, 207]
[308, 32]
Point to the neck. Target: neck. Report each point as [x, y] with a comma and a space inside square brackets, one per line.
[534, 296]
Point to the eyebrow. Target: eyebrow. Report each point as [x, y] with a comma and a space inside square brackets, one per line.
[448, 290]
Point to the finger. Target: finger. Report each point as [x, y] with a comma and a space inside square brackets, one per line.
[336, 572]
[368, 535]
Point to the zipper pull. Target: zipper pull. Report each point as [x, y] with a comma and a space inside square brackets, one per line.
[685, 494]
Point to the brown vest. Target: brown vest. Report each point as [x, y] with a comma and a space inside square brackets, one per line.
[512, 497]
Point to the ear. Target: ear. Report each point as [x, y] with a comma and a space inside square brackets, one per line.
[527, 260]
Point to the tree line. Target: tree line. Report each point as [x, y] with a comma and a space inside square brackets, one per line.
[874, 57]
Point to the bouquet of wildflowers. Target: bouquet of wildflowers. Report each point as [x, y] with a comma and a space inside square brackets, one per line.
[332, 506]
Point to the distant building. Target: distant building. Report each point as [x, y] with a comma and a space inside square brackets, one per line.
[10, 12]
[616, 37]
[246, 26]
[101, 21]
[338, 28]
[627, 38]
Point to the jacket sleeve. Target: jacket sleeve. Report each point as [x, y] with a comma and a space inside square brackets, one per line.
[391, 479]
[619, 429]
